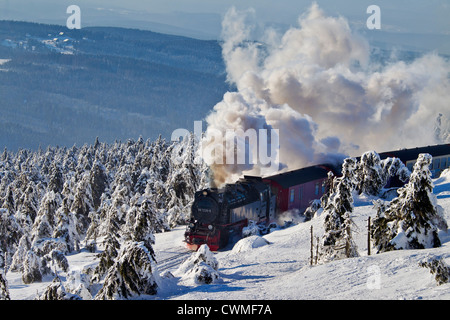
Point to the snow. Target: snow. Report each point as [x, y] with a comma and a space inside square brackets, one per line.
[249, 243]
[277, 266]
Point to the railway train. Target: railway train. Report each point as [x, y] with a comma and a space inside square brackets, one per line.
[218, 215]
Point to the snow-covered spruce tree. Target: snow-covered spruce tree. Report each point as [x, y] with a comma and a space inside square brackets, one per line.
[82, 203]
[45, 219]
[159, 216]
[55, 259]
[185, 177]
[57, 291]
[4, 291]
[200, 268]
[314, 206]
[368, 174]
[329, 183]
[121, 193]
[32, 266]
[56, 180]
[438, 267]
[394, 167]
[20, 254]
[110, 228]
[411, 220]
[65, 228]
[10, 233]
[99, 181]
[132, 275]
[337, 241]
[79, 283]
[138, 225]
[372, 173]
[91, 234]
[8, 202]
[27, 211]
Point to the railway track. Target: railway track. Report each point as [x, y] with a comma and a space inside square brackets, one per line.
[177, 258]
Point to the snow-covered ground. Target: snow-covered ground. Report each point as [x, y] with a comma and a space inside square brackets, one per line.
[281, 269]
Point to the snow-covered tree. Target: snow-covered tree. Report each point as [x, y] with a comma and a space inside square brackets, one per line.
[438, 267]
[10, 233]
[79, 283]
[372, 173]
[27, 211]
[8, 201]
[394, 167]
[57, 291]
[117, 192]
[200, 268]
[4, 290]
[31, 268]
[66, 228]
[83, 203]
[337, 241]
[45, 219]
[313, 207]
[328, 189]
[140, 221]
[98, 180]
[20, 254]
[133, 274]
[110, 228]
[368, 174]
[412, 220]
[56, 180]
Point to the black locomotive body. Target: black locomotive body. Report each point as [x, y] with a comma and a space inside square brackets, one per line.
[218, 214]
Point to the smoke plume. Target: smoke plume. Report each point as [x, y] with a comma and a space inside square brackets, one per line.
[316, 84]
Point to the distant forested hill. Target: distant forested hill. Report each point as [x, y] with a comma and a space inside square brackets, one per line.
[65, 87]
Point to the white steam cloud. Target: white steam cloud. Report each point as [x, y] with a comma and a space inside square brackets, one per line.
[316, 84]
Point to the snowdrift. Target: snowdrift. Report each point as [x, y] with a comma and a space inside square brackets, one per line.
[249, 243]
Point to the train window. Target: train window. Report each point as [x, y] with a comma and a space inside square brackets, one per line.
[444, 163]
[300, 193]
[317, 189]
[292, 195]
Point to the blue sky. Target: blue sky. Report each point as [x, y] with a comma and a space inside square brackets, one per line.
[202, 18]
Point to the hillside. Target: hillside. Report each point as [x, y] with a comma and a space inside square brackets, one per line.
[280, 270]
[61, 86]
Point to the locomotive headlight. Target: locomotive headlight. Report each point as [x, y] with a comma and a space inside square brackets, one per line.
[210, 227]
[191, 225]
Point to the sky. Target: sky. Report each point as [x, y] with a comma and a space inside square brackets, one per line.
[202, 18]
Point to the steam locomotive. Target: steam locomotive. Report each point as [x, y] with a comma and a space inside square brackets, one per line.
[220, 214]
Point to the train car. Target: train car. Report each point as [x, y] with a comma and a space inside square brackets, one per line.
[220, 214]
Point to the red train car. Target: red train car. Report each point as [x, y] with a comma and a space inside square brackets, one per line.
[296, 189]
